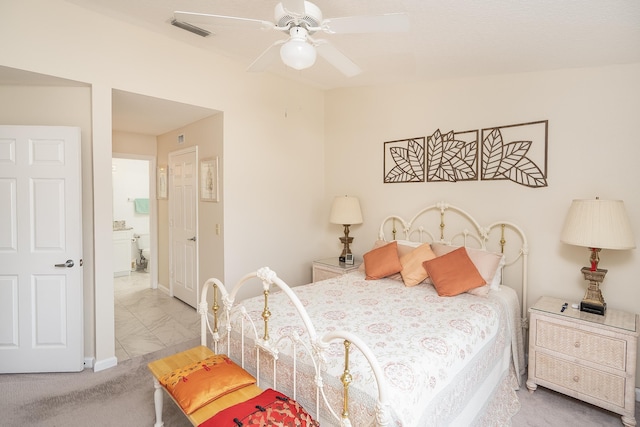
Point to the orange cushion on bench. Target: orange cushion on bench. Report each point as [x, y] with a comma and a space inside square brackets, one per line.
[202, 382]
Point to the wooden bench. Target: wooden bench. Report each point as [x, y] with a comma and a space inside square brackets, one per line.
[162, 367]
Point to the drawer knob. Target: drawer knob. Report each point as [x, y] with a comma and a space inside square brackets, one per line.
[576, 378]
[577, 344]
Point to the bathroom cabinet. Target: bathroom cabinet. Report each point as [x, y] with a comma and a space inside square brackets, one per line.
[122, 258]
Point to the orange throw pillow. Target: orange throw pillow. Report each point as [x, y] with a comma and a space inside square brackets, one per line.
[382, 262]
[453, 273]
[200, 383]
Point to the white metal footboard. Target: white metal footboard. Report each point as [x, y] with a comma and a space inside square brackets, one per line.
[218, 323]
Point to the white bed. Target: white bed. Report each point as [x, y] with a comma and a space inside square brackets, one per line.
[440, 360]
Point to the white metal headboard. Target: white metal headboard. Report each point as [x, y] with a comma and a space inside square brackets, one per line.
[448, 224]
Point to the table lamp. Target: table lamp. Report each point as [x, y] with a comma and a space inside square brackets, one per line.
[597, 224]
[345, 210]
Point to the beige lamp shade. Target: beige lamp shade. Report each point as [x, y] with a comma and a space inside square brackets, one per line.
[599, 224]
[345, 210]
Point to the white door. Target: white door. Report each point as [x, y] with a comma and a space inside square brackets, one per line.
[41, 321]
[183, 224]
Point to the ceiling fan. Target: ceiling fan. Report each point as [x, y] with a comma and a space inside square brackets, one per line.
[300, 20]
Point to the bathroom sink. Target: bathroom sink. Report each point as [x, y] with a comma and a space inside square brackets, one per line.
[120, 225]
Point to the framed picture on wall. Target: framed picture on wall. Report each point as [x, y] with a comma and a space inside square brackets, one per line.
[209, 180]
[161, 182]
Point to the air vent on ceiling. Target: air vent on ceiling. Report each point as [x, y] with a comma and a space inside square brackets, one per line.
[191, 28]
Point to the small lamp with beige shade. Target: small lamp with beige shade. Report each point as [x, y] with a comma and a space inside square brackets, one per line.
[597, 224]
[345, 210]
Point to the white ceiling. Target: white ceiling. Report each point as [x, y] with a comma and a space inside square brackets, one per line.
[447, 39]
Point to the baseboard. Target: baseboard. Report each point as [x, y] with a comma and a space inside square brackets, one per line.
[88, 362]
[101, 365]
[164, 289]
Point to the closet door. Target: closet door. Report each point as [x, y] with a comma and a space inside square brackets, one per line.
[41, 320]
[183, 225]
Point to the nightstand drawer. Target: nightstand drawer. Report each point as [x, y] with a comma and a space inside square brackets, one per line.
[589, 382]
[588, 346]
[320, 274]
[329, 268]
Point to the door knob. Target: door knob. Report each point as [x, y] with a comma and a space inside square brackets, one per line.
[67, 264]
[193, 239]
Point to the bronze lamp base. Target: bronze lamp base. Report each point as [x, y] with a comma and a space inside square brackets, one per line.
[346, 240]
[593, 301]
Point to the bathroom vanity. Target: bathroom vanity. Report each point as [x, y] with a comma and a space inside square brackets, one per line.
[122, 259]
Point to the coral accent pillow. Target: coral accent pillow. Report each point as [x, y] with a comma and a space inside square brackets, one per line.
[200, 383]
[489, 264]
[382, 262]
[453, 273]
[413, 272]
[404, 247]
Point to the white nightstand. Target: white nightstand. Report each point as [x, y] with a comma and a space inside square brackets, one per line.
[330, 267]
[584, 355]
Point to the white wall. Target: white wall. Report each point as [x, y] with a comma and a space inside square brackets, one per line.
[594, 149]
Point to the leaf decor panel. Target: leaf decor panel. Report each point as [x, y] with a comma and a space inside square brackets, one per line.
[517, 153]
[404, 160]
[452, 156]
[512, 152]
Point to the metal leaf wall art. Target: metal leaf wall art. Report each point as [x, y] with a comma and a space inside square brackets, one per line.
[506, 154]
[405, 162]
[515, 152]
[452, 157]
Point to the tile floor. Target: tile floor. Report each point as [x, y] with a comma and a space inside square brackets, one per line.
[149, 319]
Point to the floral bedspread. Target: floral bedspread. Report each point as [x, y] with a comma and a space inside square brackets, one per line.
[434, 351]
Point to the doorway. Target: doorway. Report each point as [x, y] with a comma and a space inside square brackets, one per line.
[135, 209]
[134, 221]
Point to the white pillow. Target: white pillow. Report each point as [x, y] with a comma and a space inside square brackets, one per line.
[497, 278]
[410, 243]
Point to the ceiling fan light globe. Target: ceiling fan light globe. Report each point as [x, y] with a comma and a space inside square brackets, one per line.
[298, 54]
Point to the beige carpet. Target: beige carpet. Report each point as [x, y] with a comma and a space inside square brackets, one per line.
[123, 396]
[545, 407]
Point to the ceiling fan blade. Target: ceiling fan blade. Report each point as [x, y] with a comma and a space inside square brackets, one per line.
[389, 23]
[267, 57]
[294, 7]
[336, 58]
[220, 20]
